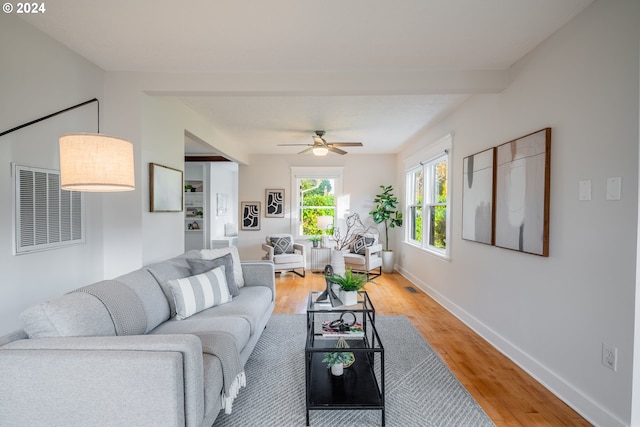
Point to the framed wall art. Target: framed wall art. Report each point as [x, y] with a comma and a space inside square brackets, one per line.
[250, 216]
[274, 203]
[477, 197]
[165, 189]
[522, 193]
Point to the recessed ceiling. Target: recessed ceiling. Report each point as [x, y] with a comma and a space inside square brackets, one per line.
[301, 36]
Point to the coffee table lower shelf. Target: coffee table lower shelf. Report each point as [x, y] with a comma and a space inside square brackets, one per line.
[357, 388]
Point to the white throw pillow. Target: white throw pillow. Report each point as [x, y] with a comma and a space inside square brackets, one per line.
[196, 293]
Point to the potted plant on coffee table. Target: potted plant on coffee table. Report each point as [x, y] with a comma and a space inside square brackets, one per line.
[386, 212]
[349, 284]
[336, 361]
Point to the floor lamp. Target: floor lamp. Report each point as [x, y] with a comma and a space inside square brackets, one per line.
[92, 162]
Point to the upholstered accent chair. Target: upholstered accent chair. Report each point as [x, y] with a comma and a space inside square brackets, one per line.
[365, 255]
[285, 254]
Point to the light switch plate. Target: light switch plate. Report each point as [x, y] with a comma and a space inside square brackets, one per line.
[584, 190]
[614, 188]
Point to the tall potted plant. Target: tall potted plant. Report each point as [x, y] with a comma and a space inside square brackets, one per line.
[386, 212]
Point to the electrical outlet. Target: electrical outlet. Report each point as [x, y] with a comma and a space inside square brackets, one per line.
[609, 356]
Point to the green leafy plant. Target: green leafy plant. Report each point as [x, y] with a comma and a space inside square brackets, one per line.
[386, 212]
[315, 238]
[350, 281]
[337, 357]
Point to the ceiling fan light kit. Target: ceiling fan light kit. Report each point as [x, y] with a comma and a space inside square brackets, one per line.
[320, 151]
[321, 147]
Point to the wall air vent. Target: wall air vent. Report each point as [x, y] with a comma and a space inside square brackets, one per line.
[46, 217]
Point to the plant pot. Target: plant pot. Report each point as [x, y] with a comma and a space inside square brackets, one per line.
[315, 244]
[337, 369]
[387, 261]
[337, 262]
[349, 297]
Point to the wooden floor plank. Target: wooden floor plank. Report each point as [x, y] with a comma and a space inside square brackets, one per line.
[509, 396]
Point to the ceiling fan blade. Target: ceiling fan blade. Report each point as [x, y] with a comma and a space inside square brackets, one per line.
[336, 150]
[345, 144]
[306, 150]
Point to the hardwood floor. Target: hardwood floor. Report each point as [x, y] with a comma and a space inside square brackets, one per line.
[507, 394]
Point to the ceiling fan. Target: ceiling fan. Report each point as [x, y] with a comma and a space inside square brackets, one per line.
[321, 147]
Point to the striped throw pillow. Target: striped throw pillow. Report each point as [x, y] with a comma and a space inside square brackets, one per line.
[196, 293]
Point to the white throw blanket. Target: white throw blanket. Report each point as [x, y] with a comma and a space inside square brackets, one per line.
[223, 346]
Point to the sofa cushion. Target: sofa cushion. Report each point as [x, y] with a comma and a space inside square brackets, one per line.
[237, 266]
[196, 293]
[206, 321]
[250, 305]
[174, 268]
[123, 305]
[72, 315]
[287, 259]
[199, 266]
[354, 259]
[150, 294]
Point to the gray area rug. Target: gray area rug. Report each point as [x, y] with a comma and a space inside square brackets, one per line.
[420, 389]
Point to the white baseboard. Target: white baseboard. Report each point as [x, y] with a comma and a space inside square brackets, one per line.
[584, 405]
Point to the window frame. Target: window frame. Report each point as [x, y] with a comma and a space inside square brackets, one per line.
[334, 173]
[426, 164]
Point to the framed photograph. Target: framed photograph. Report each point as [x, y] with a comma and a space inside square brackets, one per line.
[522, 193]
[250, 216]
[274, 203]
[477, 197]
[165, 189]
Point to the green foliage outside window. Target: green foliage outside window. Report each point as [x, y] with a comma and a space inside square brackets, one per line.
[440, 212]
[317, 200]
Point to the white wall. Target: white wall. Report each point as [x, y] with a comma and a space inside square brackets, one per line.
[40, 77]
[224, 180]
[551, 315]
[363, 175]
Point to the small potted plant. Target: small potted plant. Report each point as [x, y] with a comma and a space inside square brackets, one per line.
[315, 240]
[188, 188]
[349, 284]
[336, 361]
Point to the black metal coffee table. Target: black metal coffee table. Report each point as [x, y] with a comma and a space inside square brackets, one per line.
[362, 384]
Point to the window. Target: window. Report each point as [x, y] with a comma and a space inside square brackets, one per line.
[317, 198]
[427, 204]
[317, 192]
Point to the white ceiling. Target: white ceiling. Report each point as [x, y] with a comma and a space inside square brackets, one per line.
[337, 37]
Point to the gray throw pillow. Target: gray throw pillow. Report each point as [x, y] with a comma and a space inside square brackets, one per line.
[199, 266]
[282, 245]
[361, 243]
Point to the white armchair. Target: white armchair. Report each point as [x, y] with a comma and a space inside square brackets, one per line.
[285, 254]
[365, 254]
